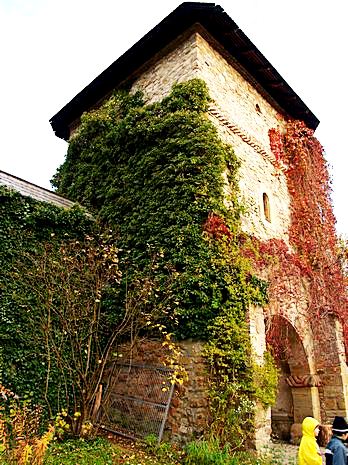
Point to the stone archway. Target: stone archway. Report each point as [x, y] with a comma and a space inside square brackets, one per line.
[298, 395]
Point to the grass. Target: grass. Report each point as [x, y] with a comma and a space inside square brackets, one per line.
[102, 452]
[80, 452]
[211, 453]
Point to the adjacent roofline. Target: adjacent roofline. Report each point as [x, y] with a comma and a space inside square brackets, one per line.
[32, 190]
[222, 28]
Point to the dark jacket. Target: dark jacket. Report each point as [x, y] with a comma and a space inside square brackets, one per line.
[336, 452]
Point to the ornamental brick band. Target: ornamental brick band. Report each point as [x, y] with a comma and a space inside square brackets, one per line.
[247, 138]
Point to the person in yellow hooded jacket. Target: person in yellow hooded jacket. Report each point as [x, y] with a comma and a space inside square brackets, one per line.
[309, 452]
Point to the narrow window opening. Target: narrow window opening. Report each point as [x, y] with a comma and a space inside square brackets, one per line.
[258, 109]
[266, 207]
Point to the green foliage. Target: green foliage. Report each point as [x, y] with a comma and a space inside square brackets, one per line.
[163, 451]
[212, 453]
[229, 354]
[102, 452]
[71, 323]
[59, 288]
[266, 380]
[155, 173]
[208, 453]
[96, 452]
[25, 226]
[237, 381]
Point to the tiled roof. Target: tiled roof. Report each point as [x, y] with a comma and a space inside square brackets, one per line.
[222, 29]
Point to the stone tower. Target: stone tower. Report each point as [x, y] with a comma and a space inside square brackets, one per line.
[250, 98]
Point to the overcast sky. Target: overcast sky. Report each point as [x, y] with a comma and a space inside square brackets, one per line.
[51, 49]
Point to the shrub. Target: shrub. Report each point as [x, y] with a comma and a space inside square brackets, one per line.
[20, 440]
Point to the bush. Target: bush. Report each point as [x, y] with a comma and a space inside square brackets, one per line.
[20, 440]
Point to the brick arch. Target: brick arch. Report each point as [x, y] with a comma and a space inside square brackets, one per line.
[297, 395]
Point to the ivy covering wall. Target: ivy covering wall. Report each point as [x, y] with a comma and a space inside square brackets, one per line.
[26, 226]
[158, 178]
[155, 174]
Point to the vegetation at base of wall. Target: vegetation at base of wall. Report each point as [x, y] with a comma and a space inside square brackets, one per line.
[96, 452]
[157, 175]
[265, 378]
[101, 452]
[212, 453]
[237, 381]
[206, 453]
[93, 452]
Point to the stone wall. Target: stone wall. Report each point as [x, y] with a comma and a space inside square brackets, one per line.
[332, 367]
[243, 117]
[188, 415]
[178, 65]
[243, 114]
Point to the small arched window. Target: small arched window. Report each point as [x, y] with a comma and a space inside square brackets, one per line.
[266, 207]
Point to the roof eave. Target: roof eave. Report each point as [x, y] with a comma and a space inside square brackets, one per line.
[222, 28]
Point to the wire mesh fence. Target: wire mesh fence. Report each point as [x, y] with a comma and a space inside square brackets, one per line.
[136, 400]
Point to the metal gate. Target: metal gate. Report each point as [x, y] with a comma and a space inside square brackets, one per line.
[136, 400]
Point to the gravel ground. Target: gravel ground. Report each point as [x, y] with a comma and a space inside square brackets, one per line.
[285, 453]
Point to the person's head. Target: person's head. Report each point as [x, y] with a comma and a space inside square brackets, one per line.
[310, 427]
[340, 428]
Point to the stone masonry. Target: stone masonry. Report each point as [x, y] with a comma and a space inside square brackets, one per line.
[243, 117]
[188, 416]
[237, 104]
[313, 377]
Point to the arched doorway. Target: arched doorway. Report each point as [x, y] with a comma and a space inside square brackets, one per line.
[297, 395]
